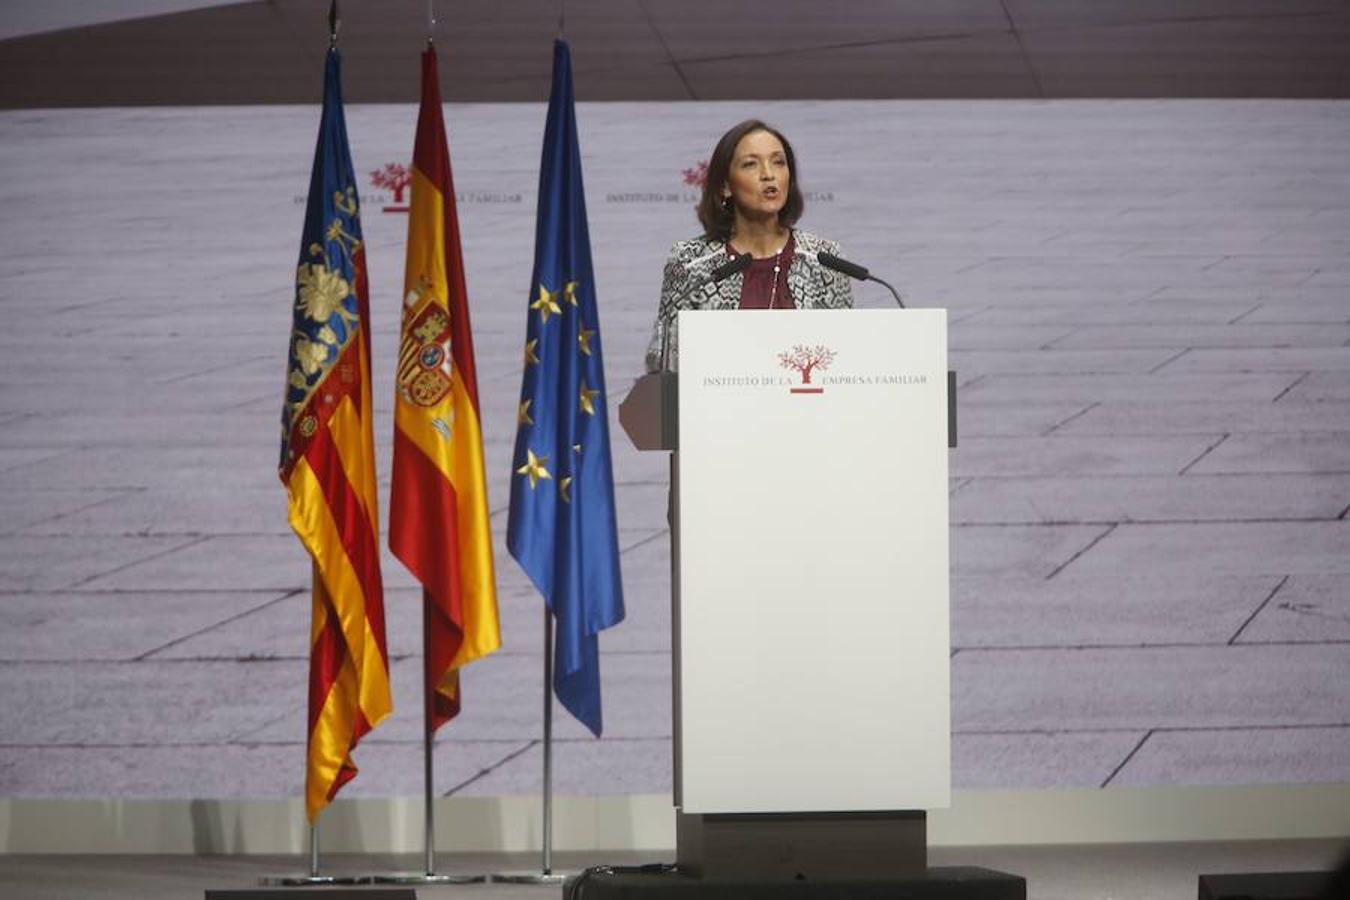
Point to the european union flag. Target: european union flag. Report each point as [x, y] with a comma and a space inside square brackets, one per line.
[562, 527]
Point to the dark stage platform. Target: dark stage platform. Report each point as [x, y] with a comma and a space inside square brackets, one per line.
[946, 882]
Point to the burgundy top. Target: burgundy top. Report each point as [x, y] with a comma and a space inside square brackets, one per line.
[757, 289]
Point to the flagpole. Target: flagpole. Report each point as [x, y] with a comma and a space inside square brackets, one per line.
[312, 877]
[545, 875]
[428, 701]
[548, 743]
[430, 875]
[428, 698]
[332, 168]
[550, 510]
[438, 503]
[428, 692]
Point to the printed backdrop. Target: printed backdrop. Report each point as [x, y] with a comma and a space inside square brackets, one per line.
[1149, 317]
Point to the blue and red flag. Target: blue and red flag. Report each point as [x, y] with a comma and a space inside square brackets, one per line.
[328, 463]
[562, 527]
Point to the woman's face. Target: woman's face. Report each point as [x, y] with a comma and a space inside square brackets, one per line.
[759, 178]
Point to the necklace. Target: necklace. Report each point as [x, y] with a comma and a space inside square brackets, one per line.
[777, 267]
[773, 292]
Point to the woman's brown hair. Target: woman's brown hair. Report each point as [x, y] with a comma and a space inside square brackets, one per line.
[718, 215]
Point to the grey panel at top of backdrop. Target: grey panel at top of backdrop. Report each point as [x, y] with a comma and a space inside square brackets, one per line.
[704, 51]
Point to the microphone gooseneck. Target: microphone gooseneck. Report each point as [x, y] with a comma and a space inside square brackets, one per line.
[853, 270]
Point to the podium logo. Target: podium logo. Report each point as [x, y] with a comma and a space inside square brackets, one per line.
[810, 363]
[806, 360]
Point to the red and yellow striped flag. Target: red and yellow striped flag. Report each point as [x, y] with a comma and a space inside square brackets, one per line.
[328, 464]
[438, 507]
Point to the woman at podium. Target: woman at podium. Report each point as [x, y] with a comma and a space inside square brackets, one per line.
[750, 255]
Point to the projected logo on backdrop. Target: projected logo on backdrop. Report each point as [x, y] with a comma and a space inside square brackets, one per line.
[696, 176]
[393, 177]
[393, 180]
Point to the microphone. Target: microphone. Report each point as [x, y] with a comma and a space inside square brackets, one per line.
[853, 270]
[734, 266]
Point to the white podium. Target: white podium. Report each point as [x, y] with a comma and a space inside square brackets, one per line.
[810, 540]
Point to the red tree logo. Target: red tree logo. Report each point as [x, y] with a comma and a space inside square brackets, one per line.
[393, 177]
[806, 360]
[696, 176]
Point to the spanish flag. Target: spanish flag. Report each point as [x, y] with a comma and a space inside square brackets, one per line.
[328, 463]
[438, 508]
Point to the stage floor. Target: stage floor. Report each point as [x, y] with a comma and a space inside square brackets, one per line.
[1104, 872]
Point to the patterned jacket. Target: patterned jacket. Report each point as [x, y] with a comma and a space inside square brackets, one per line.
[811, 285]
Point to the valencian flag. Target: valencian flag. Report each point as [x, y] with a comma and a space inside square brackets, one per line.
[562, 526]
[328, 463]
[438, 508]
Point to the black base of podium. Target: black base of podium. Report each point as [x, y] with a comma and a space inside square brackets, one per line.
[938, 883]
[1265, 886]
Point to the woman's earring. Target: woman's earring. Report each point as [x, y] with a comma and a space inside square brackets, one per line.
[726, 202]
